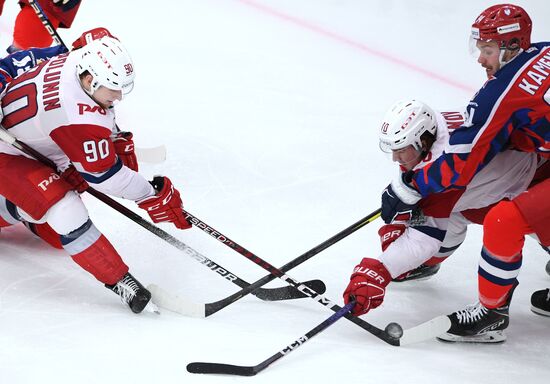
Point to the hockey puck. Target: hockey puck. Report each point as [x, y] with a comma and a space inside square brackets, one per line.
[548, 267]
[394, 330]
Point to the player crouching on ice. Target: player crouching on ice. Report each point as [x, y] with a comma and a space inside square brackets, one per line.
[63, 109]
[415, 242]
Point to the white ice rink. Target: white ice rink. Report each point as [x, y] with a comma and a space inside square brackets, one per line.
[269, 110]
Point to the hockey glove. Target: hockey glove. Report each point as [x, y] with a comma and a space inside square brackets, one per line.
[124, 148]
[398, 201]
[389, 233]
[367, 285]
[166, 205]
[74, 178]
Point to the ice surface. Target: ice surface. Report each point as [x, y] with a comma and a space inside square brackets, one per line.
[269, 110]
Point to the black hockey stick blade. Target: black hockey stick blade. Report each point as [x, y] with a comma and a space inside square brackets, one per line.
[240, 370]
[221, 369]
[289, 292]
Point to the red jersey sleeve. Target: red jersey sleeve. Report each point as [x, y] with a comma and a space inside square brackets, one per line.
[86, 144]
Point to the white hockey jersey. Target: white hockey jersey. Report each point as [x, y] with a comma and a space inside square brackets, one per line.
[47, 108]
[443, 227]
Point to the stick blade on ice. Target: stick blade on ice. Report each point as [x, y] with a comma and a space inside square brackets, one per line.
[152, 155]
[223, 369]
[175, 303]
[426, 331]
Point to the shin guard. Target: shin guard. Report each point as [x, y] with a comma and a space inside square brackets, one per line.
[93, 252]
[503, 238]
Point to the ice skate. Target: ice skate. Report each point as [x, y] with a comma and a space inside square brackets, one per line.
[478, 324]
[540, 302]
[423, 272]
[134, 294]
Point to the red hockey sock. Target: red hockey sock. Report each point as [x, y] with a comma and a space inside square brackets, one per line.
[103, 261]
[4, 223]
[504, 230]
[46, 233]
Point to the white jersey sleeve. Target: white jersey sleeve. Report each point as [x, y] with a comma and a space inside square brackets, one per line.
[409, 251]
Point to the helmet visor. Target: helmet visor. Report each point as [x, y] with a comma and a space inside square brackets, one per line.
[127, 88]
[389, 146]
[385, 146]
[486, 50]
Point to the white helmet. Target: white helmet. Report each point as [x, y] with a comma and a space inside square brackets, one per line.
[109, 63]
[404, 124]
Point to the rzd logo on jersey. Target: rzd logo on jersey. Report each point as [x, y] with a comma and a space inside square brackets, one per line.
[88, 108]
[44, 183]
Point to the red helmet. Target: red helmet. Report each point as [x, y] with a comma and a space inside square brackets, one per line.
[507, 24]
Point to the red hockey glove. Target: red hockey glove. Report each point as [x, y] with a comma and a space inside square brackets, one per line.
[92, 34]
[166, 204]
[124, 148]
[367, 285]
[389, 233]
[74, 178]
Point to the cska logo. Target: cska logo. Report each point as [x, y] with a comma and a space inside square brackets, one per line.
[88, 108]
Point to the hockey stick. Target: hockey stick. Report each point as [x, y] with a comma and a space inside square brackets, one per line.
[425, 331]
[271, 294]
[47, 24]
[186, 307]
[152, 155]
[390, 335]
[228, 369]
[280, 273]
[393, 333]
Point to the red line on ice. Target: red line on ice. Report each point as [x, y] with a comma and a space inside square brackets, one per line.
[360, 46]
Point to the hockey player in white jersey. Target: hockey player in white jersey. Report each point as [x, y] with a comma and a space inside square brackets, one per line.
[415, 242]
[63, 109]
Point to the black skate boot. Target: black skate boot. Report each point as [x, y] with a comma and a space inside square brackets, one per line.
[134, 294]
[540, 302]
[423, 272]
[478, 324]
[547, 249]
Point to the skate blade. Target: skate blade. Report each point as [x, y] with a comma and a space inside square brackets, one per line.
[488, 337]
[152, 308]
[539, 311]
[418, 277]
[414, 279]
